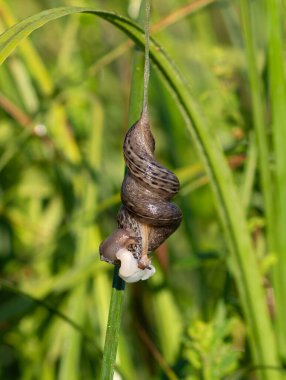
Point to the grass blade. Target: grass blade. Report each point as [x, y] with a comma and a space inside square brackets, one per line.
[29, 54]
[259, 122]
[276, 79]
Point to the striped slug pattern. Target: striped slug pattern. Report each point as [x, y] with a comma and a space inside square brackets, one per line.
[146, 191]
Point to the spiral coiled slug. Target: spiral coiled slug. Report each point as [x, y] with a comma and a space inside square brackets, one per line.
[147, 216]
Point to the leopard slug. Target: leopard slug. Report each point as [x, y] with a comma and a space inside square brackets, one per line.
[146, 192]
[147, 216]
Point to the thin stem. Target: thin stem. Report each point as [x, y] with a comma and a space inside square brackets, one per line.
[259, 122]
[147, 61]
[277, 92]
[117, 296]
[15, 112]
[113, 326]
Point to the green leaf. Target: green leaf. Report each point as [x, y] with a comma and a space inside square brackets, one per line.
[276, 71]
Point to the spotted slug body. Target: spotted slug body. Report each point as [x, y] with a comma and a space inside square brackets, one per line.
[147, 216]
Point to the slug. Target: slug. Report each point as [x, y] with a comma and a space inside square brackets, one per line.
[147, 217]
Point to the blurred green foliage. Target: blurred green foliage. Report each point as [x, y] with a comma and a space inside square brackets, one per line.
[64, 109]
[209, 354]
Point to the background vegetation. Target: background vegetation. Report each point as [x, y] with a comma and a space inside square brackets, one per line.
[209, 313]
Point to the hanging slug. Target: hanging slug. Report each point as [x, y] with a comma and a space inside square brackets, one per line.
[147, 217]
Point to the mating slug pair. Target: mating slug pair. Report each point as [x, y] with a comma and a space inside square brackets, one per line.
[147, 217]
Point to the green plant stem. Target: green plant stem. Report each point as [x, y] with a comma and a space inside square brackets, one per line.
[249, 173]
[113, 326]
[276, 71]
[117, 295]
[140, 69]
[266, 179]
[259, 122]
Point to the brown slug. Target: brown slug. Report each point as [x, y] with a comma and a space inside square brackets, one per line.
[147, 216]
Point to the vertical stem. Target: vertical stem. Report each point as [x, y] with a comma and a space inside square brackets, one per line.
[258, 103]
[147, 61]
[113, 326]
[276, 79]
[257, 97]
[117, 295]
